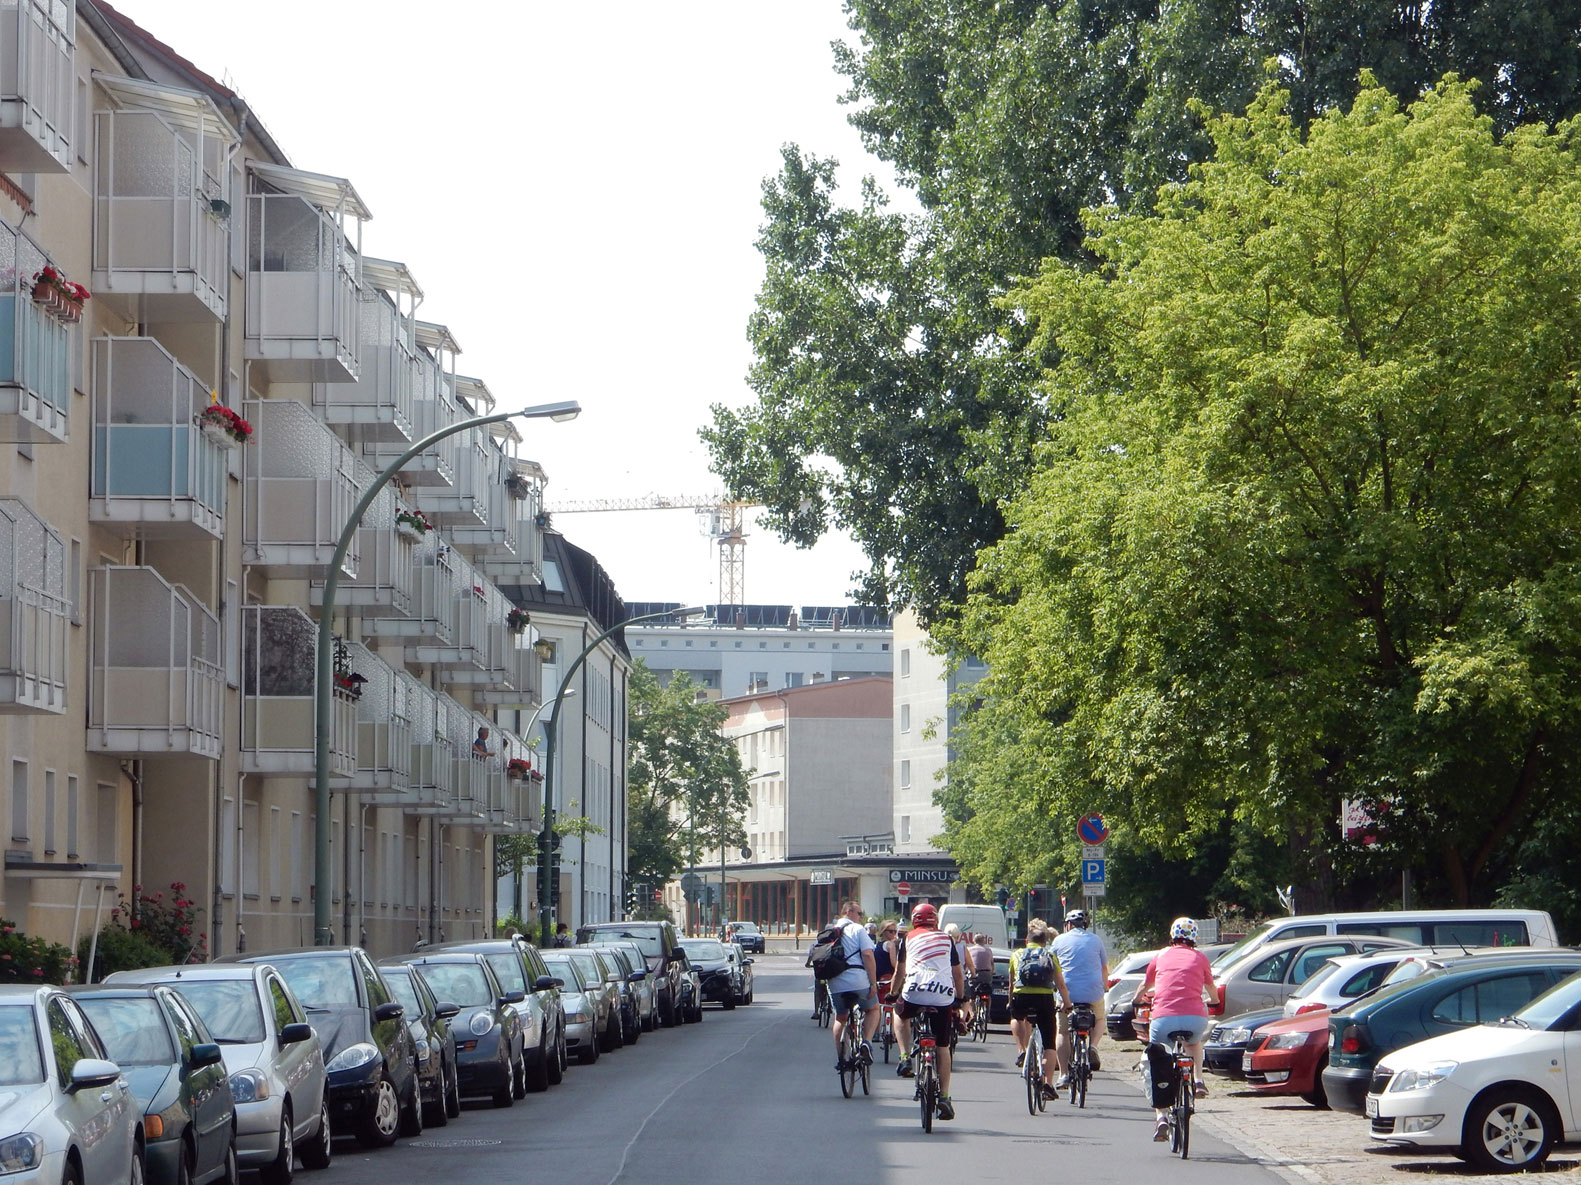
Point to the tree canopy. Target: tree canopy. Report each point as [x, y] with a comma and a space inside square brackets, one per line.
[1307, 528]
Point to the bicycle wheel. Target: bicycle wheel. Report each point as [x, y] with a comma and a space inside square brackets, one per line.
[1078, 1071]
[1032, 1071]
[930, 1100]
[867, 1076]
[848, 1066]
[1184, 1127]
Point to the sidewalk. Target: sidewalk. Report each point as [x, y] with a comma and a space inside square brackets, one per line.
[1311, 1147]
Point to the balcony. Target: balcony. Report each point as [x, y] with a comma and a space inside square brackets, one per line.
[304, 275]
[279, 675]
[433, 776]
[522, 563]
[433, 407]
[35, 373]
[384, 727]
[158, 686]
[517, 676]
[37, 78]
[379, 403]
[300, 485]
[162, 208]
[497, 535]
[34, 612]
[475, 775]
[155, 472]
[463, 656]
[430, 619]
[465, 503]
[384, 585]
[512, 808]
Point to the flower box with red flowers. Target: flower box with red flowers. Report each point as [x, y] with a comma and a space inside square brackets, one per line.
[412, 524]
[516, 620]
[223, 426]
[517, 768]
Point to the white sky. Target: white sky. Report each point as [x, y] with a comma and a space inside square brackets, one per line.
[576, 186]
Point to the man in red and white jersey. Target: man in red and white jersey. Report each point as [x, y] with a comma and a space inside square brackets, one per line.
[928, 970]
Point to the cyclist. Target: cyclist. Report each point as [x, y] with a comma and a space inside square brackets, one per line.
[1033, 1002]
[1176, 978]
[1085, 965]
[980, 955]
[964, 1005]
[929, 971]
[856, 985]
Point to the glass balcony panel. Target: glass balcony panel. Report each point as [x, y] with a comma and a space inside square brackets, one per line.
[430, 623]
[162, 208]
[385, 583]
[279, 678]
[473, 771]
[153, 468]
[379, 403]
[158, 684]
[35, 374]
[301, 484]
[34, 612]
[37, 78]
[478, 603]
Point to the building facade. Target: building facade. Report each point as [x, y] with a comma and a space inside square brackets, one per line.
[161, 577]
[925, 717]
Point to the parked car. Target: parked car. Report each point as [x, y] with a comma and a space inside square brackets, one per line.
[1124, 978]
[1271, 973]
[644, 989]
[748, 935]
[428, 1020]
[1431, 958]
[369, 1053]
[177, 1076]
[716, 975]
[999, 1010]
[1418, 927]
[70, 1108]
[273, 1056]
[1498, 1094]
[660, 943]
[691, 1000]
[743, 965]
[519, 967]
[597, 979]
[1224, 1050]
[1471, 992]
[620, 972]
[1288, 1056]
[486, 1028]
[1344, 980]
[585, 1012]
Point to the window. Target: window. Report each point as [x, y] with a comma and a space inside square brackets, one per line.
[1364, 982]
[279, 847]
[72, 812]
[228, 846]
[905, 663]
[186, 1025]
[1313, 958]
[252, 842]
[1271, 969]
[18, 801]
[107, 840]
[795, 678]
[67, 1043]
[49, 812]
[284, 1014]
[296, 842]
[905, 717]
[233, 632]
[905, 828]
[74, 581]
[905, 773]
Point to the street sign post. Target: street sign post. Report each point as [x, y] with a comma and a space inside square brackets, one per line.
[1092, 829]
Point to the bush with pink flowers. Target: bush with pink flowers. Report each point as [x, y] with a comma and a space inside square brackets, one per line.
[149, 930]
[25, 959]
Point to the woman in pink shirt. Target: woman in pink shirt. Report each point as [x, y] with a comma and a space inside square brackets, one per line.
[1177, 978]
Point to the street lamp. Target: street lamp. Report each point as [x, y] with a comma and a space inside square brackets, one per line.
[560, 412]
[526, 733]
[545, 913]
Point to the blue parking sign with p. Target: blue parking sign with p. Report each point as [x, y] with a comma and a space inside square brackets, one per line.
[1092, 872]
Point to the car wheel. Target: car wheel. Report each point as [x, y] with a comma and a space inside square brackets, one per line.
[434, 1114]
[1317, 1096]
[382, 1124]
[412, 1114]
[317, 1151]
[1508, 1129]
[519, 1075]
[139, 1170]
[617, 1029]
[72, 1176]
[634, 1034]
[729, 1001]
[556, 1067]
[184, 1166]
[671, 1015]
[279, 1170]
[453, 1095]
[505, 1096]
[536, 1074]
[233, 1172]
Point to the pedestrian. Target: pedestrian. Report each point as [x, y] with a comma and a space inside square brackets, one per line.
[562, 935]
[480, 745]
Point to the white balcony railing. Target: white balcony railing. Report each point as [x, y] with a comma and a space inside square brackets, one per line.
[465, 503]
[300, 486]
[155, 471]
[431, 781]
[279, 678]
[384, 727]
[34, 612]
[519, 676]
[35, 371]
[433, 407]
[497, 537]
[162, 207]
[37, 78]
[465, 658]
[158, 686]
[522, 564]
[304, 275]
[379, 403]
[385, 583]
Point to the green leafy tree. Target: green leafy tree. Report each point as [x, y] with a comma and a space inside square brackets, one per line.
[1308, 529]
[681, 772]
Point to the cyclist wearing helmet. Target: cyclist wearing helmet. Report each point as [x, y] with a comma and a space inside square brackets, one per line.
[1086, 966]
[928, 968]
[1176, 978]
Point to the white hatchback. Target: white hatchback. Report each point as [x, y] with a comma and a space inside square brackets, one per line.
[1498, 1095]
[1343, 980]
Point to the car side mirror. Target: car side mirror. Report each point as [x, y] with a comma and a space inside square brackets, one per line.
[206, 1053]
[545, 982]
[295, 1032]
[637, 976]
[446, 1011]
[747, 962]
[91, 1072]
[389, 1010]
[514, 996]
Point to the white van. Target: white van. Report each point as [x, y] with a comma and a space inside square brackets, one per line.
[1424, 927]
[977, 919]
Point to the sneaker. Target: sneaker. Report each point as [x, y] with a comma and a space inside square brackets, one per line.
[1161, 1131]
[1092, 1061]
[864, 1054]
[1050, 1093]
[1200, 1090]
[840, 1066]
[946, 1108]
[1061, 1083]
[1021, 1059]
[904, 1069]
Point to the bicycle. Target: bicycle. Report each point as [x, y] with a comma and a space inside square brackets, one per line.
[886, 1028]
[1082, 1022]
[1185, 1096]
[853, 1067]
[984, 1003]
[924, 1052]
[1032, 1070]
[823, 1010]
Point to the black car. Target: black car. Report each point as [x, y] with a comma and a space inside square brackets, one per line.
[368, 1051]
[630, 972]
[428, 1020]
[520, 968]
[660, 944]
[176, 1074]
[748, 935]
[717, 974]
[1229, 1039]
[690, 1005]
[487, 1031]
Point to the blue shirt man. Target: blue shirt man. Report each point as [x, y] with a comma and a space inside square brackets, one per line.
[1085, 965]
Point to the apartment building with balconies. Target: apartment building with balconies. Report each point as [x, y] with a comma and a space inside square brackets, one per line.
[161, 580]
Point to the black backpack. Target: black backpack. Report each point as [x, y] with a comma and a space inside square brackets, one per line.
[827, 957]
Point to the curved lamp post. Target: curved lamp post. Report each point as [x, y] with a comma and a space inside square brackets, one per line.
[323, 932]
[545, 874]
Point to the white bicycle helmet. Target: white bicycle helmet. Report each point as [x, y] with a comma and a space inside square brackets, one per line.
[1183, 930]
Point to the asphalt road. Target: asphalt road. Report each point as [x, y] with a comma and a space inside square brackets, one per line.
[750, 1097]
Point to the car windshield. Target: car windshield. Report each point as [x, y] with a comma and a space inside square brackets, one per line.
[1553, 1005]
[1407, 970]
[561, 966]
[458, 983]
[1226, 957]
[229, 1007]
[704, 949]
[320, 982]
[401, 988]
[746, 928]
[647, 942]
[20, 1060]
[133, 1031]
[508, 970]
[587, 964]
[1314, 982]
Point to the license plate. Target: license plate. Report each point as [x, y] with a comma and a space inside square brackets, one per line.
[1372, 1106]
[1246, 1062]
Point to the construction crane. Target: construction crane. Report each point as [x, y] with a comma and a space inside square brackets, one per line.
[723, 520]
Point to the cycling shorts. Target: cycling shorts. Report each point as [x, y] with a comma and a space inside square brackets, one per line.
[1038, 1007]
[1063, 1020]
[1160, 1027]
[845, 1001]
[940, 1019]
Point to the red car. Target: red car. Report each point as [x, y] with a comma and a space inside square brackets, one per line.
[1288, 1056]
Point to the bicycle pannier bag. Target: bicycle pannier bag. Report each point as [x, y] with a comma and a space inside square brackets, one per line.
[1161, 1074]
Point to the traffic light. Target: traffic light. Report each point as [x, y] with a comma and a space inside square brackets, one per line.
[1001, 896]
